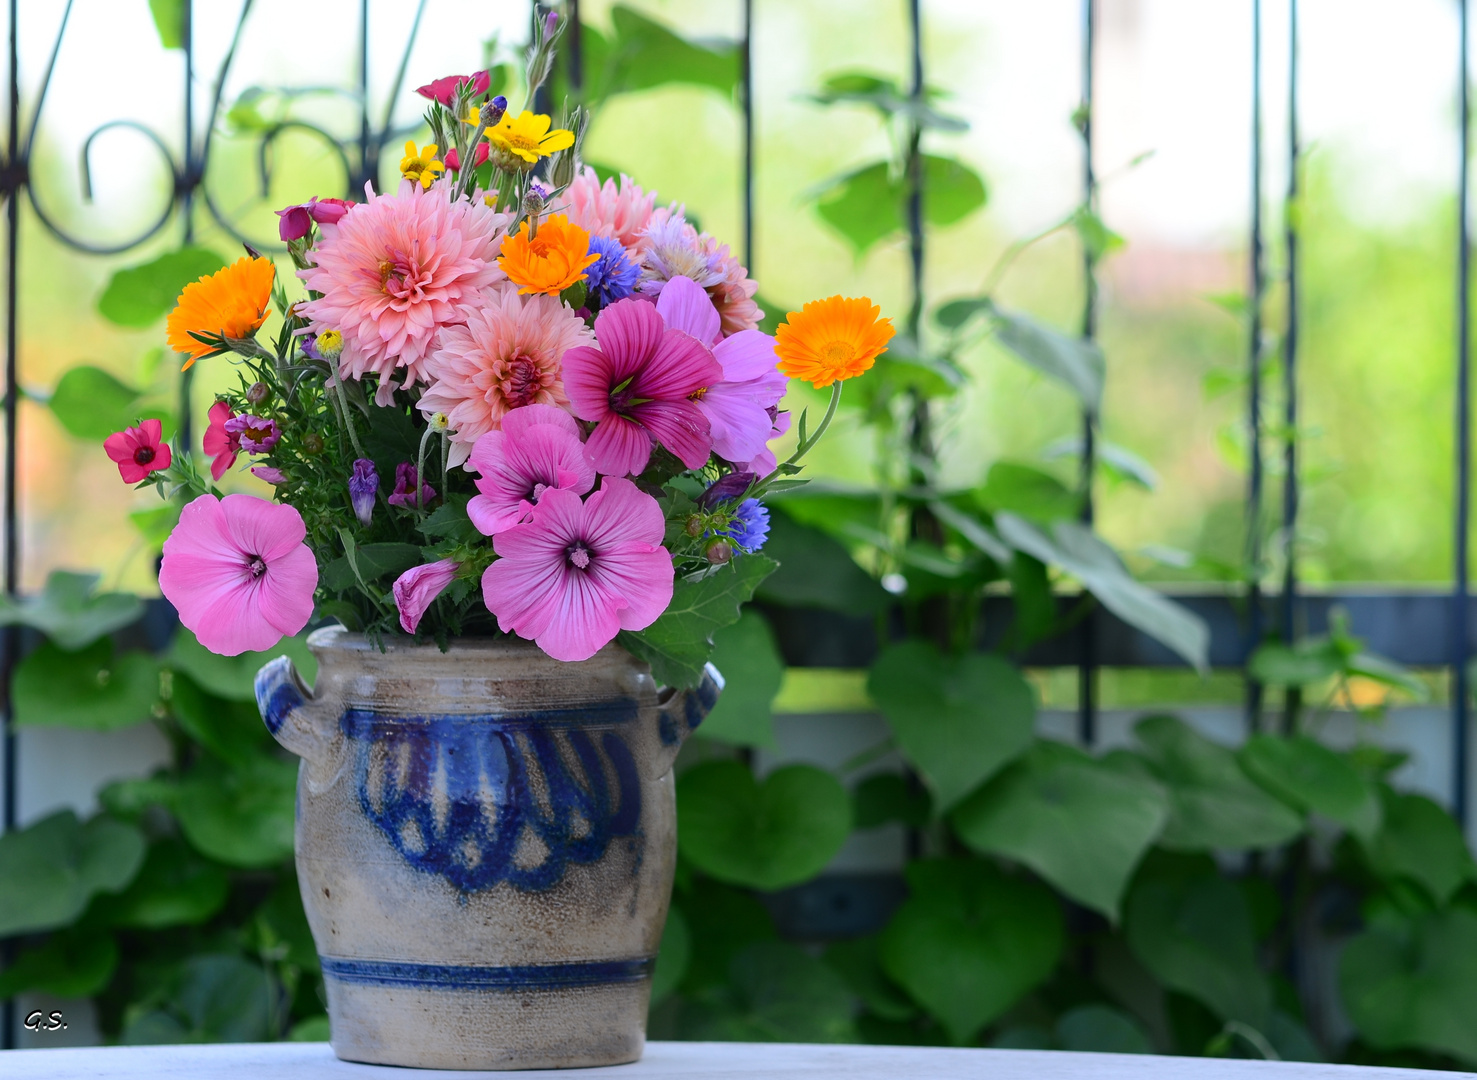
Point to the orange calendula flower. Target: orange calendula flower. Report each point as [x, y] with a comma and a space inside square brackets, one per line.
[553, 260]
[832, 340]
[231, 302]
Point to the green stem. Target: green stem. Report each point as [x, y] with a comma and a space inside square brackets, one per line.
[420, 470]
[348, 420]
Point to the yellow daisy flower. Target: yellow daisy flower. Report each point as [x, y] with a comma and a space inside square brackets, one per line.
[527, 137]
[421, 167]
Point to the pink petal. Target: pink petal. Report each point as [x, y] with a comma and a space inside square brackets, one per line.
[739, 423]
[588, 378]
[749, 354]
[285, 597]
[629, 330]
[684, 305]
[415, 589]
[258, 527]
[620, 447]
[517, 421]
[680, 426]
[643, 576]
[680, 367]
[620, 512]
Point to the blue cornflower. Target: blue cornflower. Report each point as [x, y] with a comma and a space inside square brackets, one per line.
[614, 277]
[748, 528]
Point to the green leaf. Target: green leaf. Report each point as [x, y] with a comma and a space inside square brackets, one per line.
[867, 204]
[92, 404]
[450, 521]
[1074, 362]
[1101, 1029]
[1074, 548]
[240, 816]
[765, 836]
[138, 295]
[672, 956]
[1118, 462]
[1081, 825]
[1097, 238]
[90, 689]
[1214, 805]
[174, 887]
[375, 561]
[1191, 928]
[746, 655]
[1304, 664]
[679, 643]
[169, 20]
[860, 964]
[951, 190]
[219, 998]
[884, 95]
[1421, 841]
[71, 963]
[957, 719]
[232, 730]
[643, 54]
[54, 867]
[776, 993]
[1387, 672]
[722, 921]
[955, 313]
[67, 610]
[1415, 985]
[232, 677]
[969, 941]
[888, 797]
[1035, 495]
[1304, 773]
[815, 570]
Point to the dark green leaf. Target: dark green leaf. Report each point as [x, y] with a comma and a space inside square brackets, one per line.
[866, 204]
[92, 404]
[1415, 985]
[67, 610]
[1101, 1029]
[1081, 825]
[816, 571]
[1421, 841]
[970, 942]
[240, 816]
[765, 836]
[1213, 803]
[220, 998]
[375, 561]
[860, 965]
[776, 993]
[672, 957]
[54, 867]
[722, 921]
[643, 54]
[1190, 927]
[282, 927]
[889, 797]
[1074, 362]
[313, 1029]
[232, 730]
[746, 655]
[957, 719]
[72, 963]
[450, 521]
[91, 689]
[231, 677]
[678, 644]
[138, 295]
[169, 20]
[1304, 773]
[174, 887]
[1029, 492]
[956, 313]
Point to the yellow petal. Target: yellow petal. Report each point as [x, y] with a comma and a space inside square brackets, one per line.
[556, 140]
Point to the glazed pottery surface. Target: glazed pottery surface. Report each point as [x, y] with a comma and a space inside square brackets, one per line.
[485, 845]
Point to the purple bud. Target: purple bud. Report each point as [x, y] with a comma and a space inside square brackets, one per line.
[410, 491]
[363, 486]
[551, 20]
[494, 111]
[726, 489]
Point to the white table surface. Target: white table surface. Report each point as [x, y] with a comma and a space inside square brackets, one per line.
[671, 1061]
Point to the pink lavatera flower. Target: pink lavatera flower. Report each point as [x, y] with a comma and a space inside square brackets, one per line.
[418, 587]
[220, 445]
[578, 573]
[237, 571]
[764, 462]
[537, 449]
[737, 407]
[637, 388]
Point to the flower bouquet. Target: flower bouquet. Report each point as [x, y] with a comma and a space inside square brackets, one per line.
[519, 423]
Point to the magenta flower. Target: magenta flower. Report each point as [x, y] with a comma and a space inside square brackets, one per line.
[637, 387]
[418, 587]
[444, 89]
[405, 493]
[454, 160]
[329, 211]
[580, 572]
[237, 571]
[537, 449]
[764, 462]
[296, 222]
[364, 485]
[737, 407]
[269, 474]
[138, 451]
[219, 444]
[257, 435]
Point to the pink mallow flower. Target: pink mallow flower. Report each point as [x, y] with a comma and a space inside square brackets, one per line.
[138, 451]
[578, 573]
[416, 588]
[219, 444]
[764, 462]
[394, 272]
[269, 474]
[637, 387]
[538, 448]
[738, 407]
[237, 571]
[604, 210]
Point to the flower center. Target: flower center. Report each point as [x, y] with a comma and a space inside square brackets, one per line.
[257, 566]
[516, 140]
[579, 555]
[538, 492]
[837, 353]
[143, 455]
[522, 381]
[697, 395]
[401, 276]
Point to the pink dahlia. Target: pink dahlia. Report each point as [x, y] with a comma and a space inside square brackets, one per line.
[637, 387]
[506, 356]
[580, 572]
[237, 571]
[394, 272]
[538, 448]
[738, 407]
[604, 210]
[672, 248]
[416, 589]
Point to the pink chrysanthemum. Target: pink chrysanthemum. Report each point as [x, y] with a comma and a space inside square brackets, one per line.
[672, 248]
[506, 356]
[605, 210]
[394, 272]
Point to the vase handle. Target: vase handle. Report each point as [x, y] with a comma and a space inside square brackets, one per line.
[302, 723]
[679, 712]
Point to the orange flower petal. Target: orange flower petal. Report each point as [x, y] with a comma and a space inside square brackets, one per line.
[832, 340]
[231, 302]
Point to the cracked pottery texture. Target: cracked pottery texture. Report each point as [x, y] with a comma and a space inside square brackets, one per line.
[485, 845]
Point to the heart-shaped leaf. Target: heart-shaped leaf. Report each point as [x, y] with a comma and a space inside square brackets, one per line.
[1081, 825]
[969, 941]
[672, 955]
[73, 963]
[883, 798]
[860, 964]
[815, 570]
[220, 998]
[68, 612]
[1305, 773]
[752, 670]
[765, 836]
[91, 689]
[232, 730]
[1415, 984]
[174, 887]
[1192, 929]
[1421, 841]
[775, 993]
[234, 677]
[241, 816]
[138, 295]
[958, 719]
[1101, 1029]
[1213, 803]
[54, 867]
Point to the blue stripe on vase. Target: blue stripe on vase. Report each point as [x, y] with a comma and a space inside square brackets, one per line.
[469, 977]
[365, 724]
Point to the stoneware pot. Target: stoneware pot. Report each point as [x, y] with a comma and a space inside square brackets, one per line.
[485, 845]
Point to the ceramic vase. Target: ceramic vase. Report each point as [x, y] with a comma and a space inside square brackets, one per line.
[485, 844]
